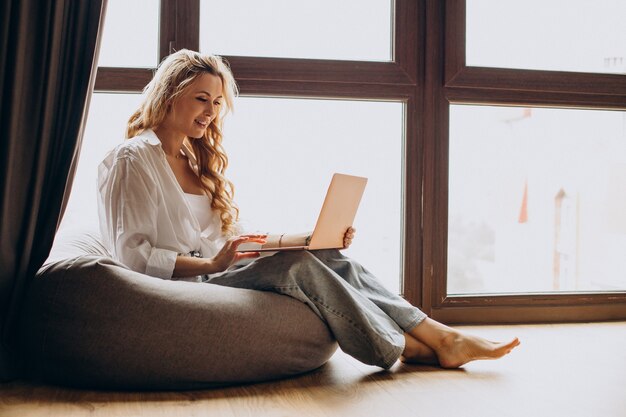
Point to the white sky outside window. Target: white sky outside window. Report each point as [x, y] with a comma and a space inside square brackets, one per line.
[323, 29]
[131, 34]
[536, 200]
[557, 35]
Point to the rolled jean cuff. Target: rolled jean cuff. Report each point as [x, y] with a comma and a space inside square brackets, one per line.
[416, 319]
[392, 356]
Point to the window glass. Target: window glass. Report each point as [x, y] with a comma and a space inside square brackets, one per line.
[324, 29]
[283, 153]
[537, 198]
[131, 34]
[563, 35]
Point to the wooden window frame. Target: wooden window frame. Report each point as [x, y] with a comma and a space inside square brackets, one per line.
[427, 74]
[450, 81]
[398, 80]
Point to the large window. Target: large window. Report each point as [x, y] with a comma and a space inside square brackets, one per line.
[492, 133]
[525, 195]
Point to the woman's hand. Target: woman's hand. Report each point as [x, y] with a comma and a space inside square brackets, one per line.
[347, 238]
[228, 255]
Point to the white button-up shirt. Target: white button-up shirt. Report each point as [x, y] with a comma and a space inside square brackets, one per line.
[145, 219]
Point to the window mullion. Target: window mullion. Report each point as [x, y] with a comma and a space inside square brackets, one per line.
[179, 26]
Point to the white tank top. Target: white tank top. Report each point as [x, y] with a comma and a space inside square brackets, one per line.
[201, 208]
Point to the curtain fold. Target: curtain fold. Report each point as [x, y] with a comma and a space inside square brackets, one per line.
[48, 52]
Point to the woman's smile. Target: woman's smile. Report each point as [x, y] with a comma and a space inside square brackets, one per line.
[203, 122]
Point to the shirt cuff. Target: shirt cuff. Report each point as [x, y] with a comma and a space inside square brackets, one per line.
[161, 263]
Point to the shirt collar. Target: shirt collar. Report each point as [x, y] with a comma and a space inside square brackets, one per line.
[150, 137]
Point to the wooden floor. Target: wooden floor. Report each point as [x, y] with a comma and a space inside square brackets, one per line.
[559, 370]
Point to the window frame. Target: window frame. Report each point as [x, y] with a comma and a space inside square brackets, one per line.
[428, 73]
[450, 81]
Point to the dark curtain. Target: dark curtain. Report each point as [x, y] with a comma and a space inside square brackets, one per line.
[48, 53]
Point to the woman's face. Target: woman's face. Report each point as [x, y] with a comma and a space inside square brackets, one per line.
[195, 109]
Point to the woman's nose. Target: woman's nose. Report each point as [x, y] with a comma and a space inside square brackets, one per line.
[210, 110]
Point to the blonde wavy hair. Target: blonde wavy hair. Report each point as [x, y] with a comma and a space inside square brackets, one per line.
[172, 77]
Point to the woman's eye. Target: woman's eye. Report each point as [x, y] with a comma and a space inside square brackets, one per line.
[218, 103]
[202, 99]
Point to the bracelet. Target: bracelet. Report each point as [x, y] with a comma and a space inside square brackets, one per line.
[307, 241]
[280, 239]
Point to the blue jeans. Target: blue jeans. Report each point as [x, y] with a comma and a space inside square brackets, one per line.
[367, 320]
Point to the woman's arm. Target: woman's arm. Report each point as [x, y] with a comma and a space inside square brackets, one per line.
[227, 256]
[302, 239]
[187, 266]
[127, 207]
[279, 241]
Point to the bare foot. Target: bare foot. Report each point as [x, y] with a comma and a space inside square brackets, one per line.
[417, 352]
[457, 349]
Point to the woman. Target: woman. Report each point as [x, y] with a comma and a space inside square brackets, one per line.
[166, 210]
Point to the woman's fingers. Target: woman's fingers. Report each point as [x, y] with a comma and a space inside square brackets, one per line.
[347, 239]
[228, 255]
[235, 241]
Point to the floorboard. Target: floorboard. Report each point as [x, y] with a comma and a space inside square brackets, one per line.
[559, 370]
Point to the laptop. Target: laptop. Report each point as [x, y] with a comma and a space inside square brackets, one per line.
[337, 215]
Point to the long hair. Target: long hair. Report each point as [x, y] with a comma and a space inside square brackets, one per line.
[173, 76]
